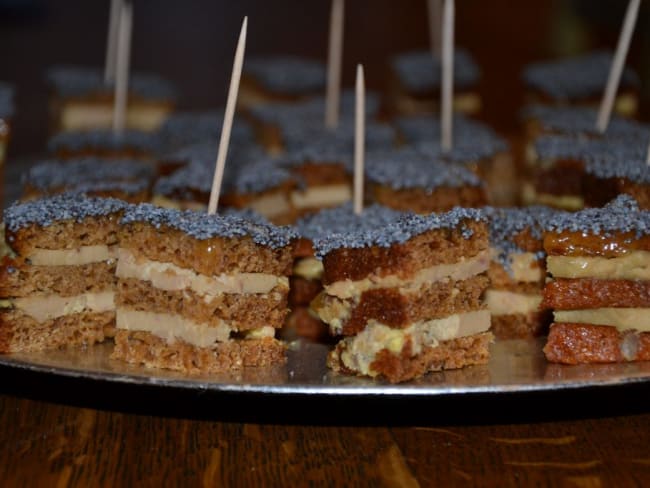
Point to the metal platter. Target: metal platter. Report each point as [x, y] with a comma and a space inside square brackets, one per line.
[515, 366]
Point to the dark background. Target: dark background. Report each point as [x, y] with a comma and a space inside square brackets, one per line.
[192, 43]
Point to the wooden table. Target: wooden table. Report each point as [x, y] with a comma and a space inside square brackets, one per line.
[63, 432]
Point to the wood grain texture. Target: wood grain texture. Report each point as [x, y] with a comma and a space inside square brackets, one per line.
[50, 444]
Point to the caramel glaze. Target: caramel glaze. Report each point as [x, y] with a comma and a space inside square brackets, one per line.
[578, 294]
[604, 245]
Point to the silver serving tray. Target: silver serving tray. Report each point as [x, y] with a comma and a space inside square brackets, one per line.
[514, 366]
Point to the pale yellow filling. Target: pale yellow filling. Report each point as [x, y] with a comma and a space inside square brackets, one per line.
[461, 270]
[635, 265]
[167, 276]
[81, 116]
[271, 205]
[530, 196]
[621, 318]
[524, 266]
[361, 350]
[308, 268]
[161, 201]
[501, 302]
[73, 257]
[171, 328]
[47, 307]
[321, 196]
[626, 104]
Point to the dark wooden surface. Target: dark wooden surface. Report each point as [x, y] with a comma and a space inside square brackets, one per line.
[44, 443]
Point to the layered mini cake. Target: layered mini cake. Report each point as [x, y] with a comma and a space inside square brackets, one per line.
[517, 272]
[580, 80]
[200, 293]
[80, 99]
[416, 78]
[475, 146]
[124, 179]
[130, 144]
[600, 293]
[407, 180]
[406, 297]
[280, 79]
[305, 283]
[59, 286]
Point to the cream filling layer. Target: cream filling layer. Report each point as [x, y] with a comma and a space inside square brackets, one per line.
[634, 265]
[524, 266]
[530, 196]
[169, 277]
[460, 270]
[47, 307]
[81, 116]
[502, 302]
[171, 328]
[73, 257]
[361, 350]
[321, 196]
[621, 318]
[271, 205]
[165, 202]
[308, 268]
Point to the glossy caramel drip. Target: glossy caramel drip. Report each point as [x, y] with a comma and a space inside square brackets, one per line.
[601, 245]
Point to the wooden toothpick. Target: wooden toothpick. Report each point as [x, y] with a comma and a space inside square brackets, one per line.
[434, 8]
[447, 92]
[111, 40]
[122, 66]
[618, 63]
[227, 119]
[647, 156]
[334, 58]
[359, 139]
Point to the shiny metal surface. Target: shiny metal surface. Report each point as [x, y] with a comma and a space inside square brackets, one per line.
[515, 366]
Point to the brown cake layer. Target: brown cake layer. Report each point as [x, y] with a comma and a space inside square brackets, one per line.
[210, 257]
[500, 279]
[565, 177]
[302, 324]
[424, 202]
[245, 200]
[317, 173]
[30, 193]
[577, 294]
[144, 348]
[520, 325]
[527, 242]
[586, 343]
[606, 244]
[21, 333]
[452, 354]
[395, 309]
[302, 291]
[404, 260]
[599, 191]
[65, 234]
[102, 152]
[19, 279]
[241, 311]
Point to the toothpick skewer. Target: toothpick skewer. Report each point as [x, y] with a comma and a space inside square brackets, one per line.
[227, 119]
[434, 10]
[111, 41]
[618, 63]
[359, 139]
[122, 66]
[647, 156]
[334, 57]
[447, 92]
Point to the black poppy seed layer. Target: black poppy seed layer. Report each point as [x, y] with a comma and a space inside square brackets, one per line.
[7, 92]
[398, 231]
[71, 81]
[342, 219]
[311, 112]
[127, 187]
[407, 169]
[205, 153]
[51, 174]
[319, 153]
[187, 128]
[625, 164]
[104, 139]
[287, 74]
[202, 226]
[59, 208]
[582, 120]
[568, 147]
[420, 72]
[576, 77]
[620, 215]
